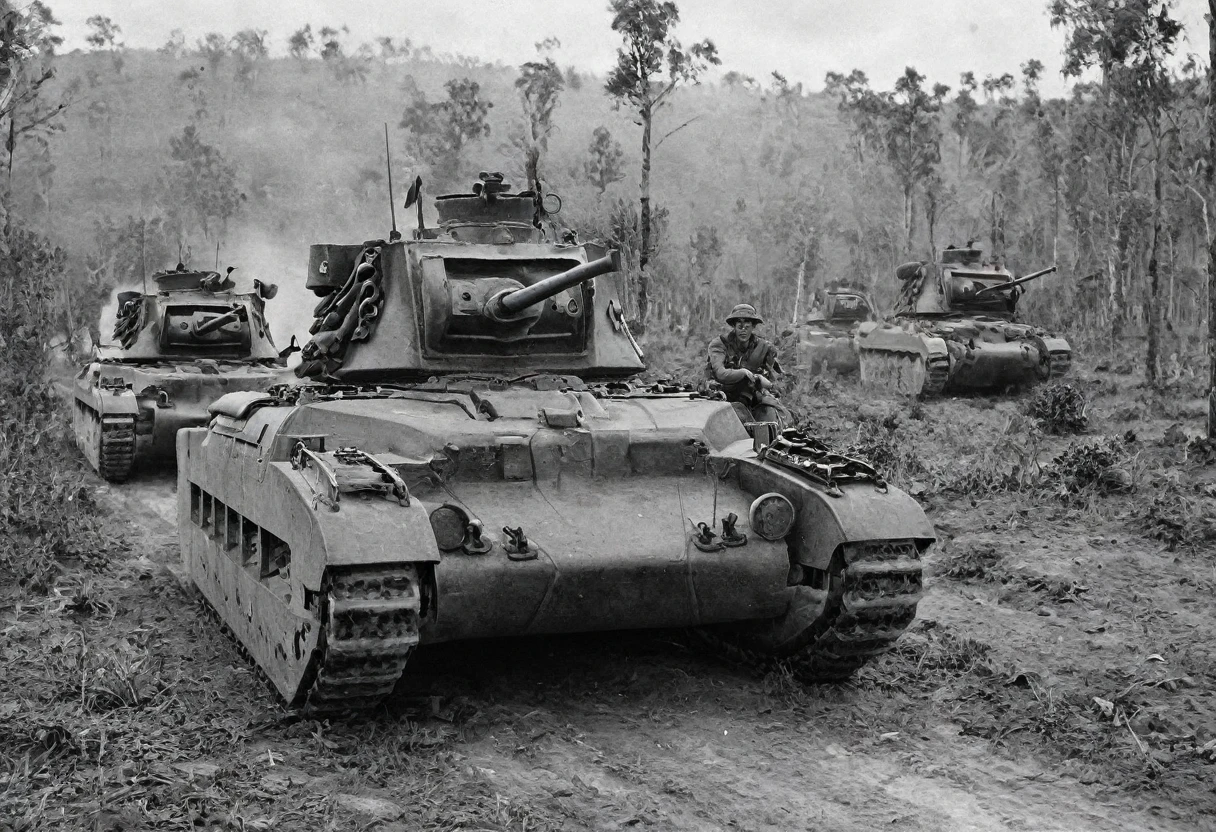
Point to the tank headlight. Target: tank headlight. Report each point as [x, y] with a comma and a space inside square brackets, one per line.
[451, 526]
[771, 516]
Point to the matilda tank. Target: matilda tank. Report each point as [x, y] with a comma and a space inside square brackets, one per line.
[825, 338]
[174, 352]
[468, 455]
[955, 328]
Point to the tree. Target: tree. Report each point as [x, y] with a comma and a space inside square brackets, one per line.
[250, 50]
[199, 183]
[539, 85]
[1210, 171]
[300, 44]
[213, 47]
[650, 65]
[905, 123]
[175, 46]
[27, 50]
[442, 129]
[605, 160]
[1129, 42]
[103, 34]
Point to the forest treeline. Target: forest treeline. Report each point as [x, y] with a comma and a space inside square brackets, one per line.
[719, 187]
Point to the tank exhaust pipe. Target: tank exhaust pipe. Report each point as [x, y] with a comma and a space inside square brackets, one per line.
[511, 303]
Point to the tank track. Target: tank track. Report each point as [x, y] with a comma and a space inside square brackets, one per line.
[376, 616]
[893, 367]
[1060, 362]
[370, 621]
[871, 603]
[116, 447]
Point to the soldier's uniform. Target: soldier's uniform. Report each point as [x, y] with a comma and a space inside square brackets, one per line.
[735, 364]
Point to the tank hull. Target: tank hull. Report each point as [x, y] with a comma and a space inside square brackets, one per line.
[935, 356]
[608, 506]
[826, 349]
[128, 412]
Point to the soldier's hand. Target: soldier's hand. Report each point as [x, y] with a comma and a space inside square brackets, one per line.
[765, 384]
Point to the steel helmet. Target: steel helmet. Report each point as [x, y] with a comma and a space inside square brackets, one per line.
[744, 312]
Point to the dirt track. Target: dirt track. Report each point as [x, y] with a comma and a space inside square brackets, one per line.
[986, 717]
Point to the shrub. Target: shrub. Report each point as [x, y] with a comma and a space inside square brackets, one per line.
[46, 508]
[1060, 409]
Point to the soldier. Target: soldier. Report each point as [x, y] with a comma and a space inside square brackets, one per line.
[744, 364]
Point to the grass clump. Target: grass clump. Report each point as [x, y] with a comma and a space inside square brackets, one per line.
[1059, 409]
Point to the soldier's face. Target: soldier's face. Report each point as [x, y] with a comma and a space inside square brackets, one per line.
[743, 329]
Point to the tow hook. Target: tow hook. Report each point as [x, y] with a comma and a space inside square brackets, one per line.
[705, 539]
[517, 546]
[474, 543]
[730, 536]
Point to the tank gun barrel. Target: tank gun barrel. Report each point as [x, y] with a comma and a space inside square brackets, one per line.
[1017, 282]
[513, 302]
[218, 321]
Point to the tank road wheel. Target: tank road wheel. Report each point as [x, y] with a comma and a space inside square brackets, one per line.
[370, 620]
[855, 609]
[902, 372]
[116, 447]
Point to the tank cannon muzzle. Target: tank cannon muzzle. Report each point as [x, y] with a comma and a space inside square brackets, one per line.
[1018, 282]
[218, 322]
[511, 303]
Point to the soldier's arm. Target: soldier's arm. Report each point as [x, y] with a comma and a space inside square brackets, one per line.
[717, 365]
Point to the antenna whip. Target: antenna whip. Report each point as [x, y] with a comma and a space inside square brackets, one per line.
[394, 235]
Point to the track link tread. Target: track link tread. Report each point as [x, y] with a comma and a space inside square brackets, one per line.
[370, 628]
[870, 607]
[116, 454]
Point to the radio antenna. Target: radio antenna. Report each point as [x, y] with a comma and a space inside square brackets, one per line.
[394, 235]
[143, 269]
[217, 255]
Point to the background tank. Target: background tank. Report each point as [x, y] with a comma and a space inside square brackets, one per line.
[825, 338]
[955, 328]
[175, 351]
[470, 459]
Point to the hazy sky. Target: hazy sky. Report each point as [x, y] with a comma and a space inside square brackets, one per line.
[803, 39]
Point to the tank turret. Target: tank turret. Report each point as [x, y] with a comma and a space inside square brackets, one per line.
[174, 351]
[955, 327]
[498, 287]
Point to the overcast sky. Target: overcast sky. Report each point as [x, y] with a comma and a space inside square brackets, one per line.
[803, 39]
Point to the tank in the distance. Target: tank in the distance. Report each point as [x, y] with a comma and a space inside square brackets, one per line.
[826, 336]
[956, 328]
[469, 456]
[174, 351]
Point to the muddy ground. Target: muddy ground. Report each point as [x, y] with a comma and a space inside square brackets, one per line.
[1060, 674]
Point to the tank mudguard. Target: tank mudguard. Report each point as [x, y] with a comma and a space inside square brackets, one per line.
[823, 522]
[896, 339]
[111, 403]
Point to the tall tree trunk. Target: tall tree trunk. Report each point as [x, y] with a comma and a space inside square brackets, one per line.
[1152, 368]
[907, 219]
[798, 291]
[1211, 176]
[644, 254]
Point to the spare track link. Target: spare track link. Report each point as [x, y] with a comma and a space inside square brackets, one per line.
[370, 626]
[880, 586]
[872, 602]
[116, 451]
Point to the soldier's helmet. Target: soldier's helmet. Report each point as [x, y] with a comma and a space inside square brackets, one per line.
[743, 312]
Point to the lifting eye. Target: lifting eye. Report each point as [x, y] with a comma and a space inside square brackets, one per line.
[771, 516]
